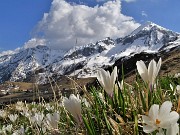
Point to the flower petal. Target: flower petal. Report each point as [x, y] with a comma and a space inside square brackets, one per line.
[142, 69]
[147, 120]
[174, 117]
[113, 76]
[161, 132]
[154, 111]
[112, 80]
[73, 105]
[100, 77]
[77, 104]
[165, 110]
[105, 77]
[169, 120]
[149, 129]
[151, 72]
[158, 66]
[173, 130]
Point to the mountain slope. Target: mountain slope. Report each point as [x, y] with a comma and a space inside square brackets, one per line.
[23, 64]
[40, 62]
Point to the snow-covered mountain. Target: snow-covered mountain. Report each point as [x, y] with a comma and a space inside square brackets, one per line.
[40, 62]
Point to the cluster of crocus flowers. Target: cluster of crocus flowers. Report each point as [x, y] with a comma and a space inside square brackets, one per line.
[107, 81]
[6, 129]
[73, 105]
[12, 117]
[38, 118]
[161, 119]
[149, 74]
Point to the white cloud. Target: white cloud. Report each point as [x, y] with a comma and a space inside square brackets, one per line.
[66, 22]
[143, 13]
[34, 42]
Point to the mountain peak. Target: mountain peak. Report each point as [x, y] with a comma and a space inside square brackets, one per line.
[147, 26]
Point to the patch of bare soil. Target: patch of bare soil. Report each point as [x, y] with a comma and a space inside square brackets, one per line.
[65, 84]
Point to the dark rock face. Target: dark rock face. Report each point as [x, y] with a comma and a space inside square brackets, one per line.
[85, 52]
[90, 49]
[129, 64]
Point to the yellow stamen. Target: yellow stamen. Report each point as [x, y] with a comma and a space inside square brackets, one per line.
[157, 121]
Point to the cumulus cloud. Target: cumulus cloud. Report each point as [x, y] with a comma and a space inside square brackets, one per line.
[34, 42]
[66, 22]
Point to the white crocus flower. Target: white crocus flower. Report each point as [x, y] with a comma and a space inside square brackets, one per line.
[38, 118]
[19, 106]
[73, 105]
[3, 130]
[177, 89]
[34, 110]
[177, 75]
[172, 89]
[86, 103]
[107, 81]
[21, 131]
[49, 107]
[149, 74]
[12, 117]
[160, 118]
[9, 128]
[3, 113]
[121, 84]
[52, 120]
[26, 113]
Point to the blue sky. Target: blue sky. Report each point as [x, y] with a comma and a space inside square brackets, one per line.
[20, 18]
